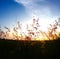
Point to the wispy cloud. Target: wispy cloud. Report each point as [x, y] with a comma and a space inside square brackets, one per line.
[35, 7]
[29, 3]
[40, 8]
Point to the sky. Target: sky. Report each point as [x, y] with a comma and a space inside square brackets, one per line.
[12, 11]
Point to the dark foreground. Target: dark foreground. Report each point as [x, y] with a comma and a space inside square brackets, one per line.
[10, 49]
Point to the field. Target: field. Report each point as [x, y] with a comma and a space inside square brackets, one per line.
[29, 49]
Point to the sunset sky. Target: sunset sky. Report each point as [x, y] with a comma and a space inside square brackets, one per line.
[12, 11]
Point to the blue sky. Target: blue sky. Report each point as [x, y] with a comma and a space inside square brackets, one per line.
[12, 11]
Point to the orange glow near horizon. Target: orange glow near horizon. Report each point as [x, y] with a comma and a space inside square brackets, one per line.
[32, 30]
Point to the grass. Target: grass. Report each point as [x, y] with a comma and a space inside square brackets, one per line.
[29, 49]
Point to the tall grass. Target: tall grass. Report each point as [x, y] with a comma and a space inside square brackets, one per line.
[32, 34]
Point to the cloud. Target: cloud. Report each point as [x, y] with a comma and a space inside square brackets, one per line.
[33, 7]
[40, 8]
[27, 3]
[31, 4]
